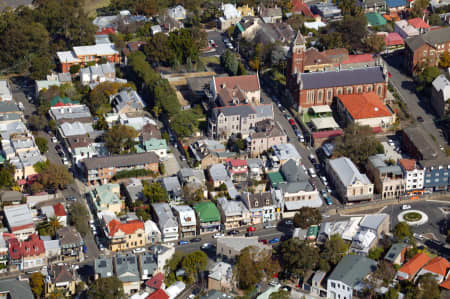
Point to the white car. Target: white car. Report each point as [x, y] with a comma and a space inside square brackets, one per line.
[138, 250]
[54, 140]
[312, 173]
[218, 235]
[406, 207]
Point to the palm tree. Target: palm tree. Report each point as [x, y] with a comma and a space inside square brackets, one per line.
[54, 225]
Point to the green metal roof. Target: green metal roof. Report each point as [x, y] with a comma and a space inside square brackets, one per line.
[207, 211]
[352, 269]
[2, 159]
[275, 178]
[375, 19]
[313, 230]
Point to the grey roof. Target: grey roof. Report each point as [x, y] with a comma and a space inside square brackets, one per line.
[69, 237]
[221, 271]
[134, 189]
[239, 243]
[422, 141]
[347, 171]
[394, 251]
[258, 200]
[232, 192]
[293, 173]
[121, 160]
[241, 110]
[232, 207]
[214, 294]
[318, 276]
[264, 111]
[441, 83]
[254, 163]
[166, 219]
[378, 161]
[18, 215]
[126, 267]
[70, 112]
[8, 106]
[432, 38]
[9, 196]
[16, 288]
[218, 172]
[295, 187]
[128, 97]
[352, 269]
[342, 78]
[103, 266]
[171, 184]
[9, 117]
[373, 221]
[64, 77]
[148, 263]
[186, 173]
[108, 68]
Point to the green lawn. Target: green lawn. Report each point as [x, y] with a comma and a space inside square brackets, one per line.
[91, 6]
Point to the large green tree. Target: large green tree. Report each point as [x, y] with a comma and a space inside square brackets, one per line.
[42, 144]
[229, 61]
[106, 288]
[37, 284]
[185, 123]
[193, 264]
[7, 171]
[158, 50]
[78, 217]
[248, 271]
[120, 139]
[154, 192]
[306, 217]
[334, 249]
[402, 231]
[298, 257]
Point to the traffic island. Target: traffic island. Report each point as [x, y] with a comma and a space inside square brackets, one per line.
[413, 217]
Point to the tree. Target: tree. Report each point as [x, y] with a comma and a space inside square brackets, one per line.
[353, 30]
[384, 272]
[419, 7]
[74, 69]
[331, 40]
[98, 99]
[37, 284]
[106, 288]
[158, 50]
[334, 249]
[229, 62]
[375, 43]
[185, 123]
[296, 21]
[42, 144]
[280, 295]
[120, 139]
[241, 69]
[298, 257]
[37, 122]
[236, 143]
[41, 66]
[402, 231]
[54, 225]
[357, 143]
[306, 217]
[435, 20]
[7, 171]
[154, 192]
[349, 7]
[391, 294]
[54, 176]
[428, 287]
[247, 271]
[376, 253]
[78, 215]
[445, 60]
[193, 264]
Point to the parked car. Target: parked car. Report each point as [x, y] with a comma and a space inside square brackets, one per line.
[328, 199]
[54, 140]
[233, 232]
[218, 235]
[288, 222]
[274, 240]
[206, 246]
[287, 116]
[291, 122]
[183, 242]
[251, 229]
[269, 225]
[71, 198]
[406, 207]
[312, 173]
[264, 241]
[196, 240]
[420, 119]
[138, 250]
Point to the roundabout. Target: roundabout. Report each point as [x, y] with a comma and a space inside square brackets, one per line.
[413, 217]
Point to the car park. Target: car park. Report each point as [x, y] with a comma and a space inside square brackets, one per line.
[138, 250]
[183, 242]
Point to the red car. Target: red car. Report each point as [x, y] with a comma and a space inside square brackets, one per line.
[251, 229]
[292, 122]
[264, 241]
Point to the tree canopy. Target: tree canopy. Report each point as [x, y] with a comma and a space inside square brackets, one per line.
[306, 217]
[185, 123]
[154, 192]
[334, 249]
[120, 139]
[53, 176]
[106, 288]
[78, 215]
[402, 231]
[298, 257]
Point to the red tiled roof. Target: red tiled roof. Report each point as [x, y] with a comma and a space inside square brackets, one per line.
[33, 246]
[20, 227]
[237, 162]
[360, 58]
[59, 210]
[438, 265]
[299, 6]
[408, 164]
[107, 30]
[15, 250]
[156, 281]
[446, 284]
[415, 264]
[393, 39]
[362, 106]
[247, 82]
[128, 228]
[418, 23]
[159, 294]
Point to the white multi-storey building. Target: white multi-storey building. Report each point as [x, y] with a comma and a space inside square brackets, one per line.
[414, 175]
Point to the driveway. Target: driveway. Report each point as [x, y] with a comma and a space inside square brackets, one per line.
[416, 103]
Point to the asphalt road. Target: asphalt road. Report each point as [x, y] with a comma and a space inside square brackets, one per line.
[417, 104]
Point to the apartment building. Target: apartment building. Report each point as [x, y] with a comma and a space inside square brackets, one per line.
[262, 206]
[125, 236]
[83, 55]
[426, 48]
[228, 120]
[267, 133]
[234, 213]
[350, 184]
[388, 179]
[104, 168]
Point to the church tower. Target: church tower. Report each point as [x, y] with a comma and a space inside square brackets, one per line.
[297, 54]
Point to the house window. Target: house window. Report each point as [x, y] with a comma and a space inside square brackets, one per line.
[359, 89]
[369, 88]
[320, 96]
[339, 91]
[349, 90]
[310, 97]
[329, 94]
[379, 90]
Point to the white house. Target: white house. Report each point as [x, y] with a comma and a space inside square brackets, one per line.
[186, 220]
[413, 173]
[178, 12]
[167, 222]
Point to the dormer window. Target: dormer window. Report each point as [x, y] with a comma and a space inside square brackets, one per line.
[256, 203]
